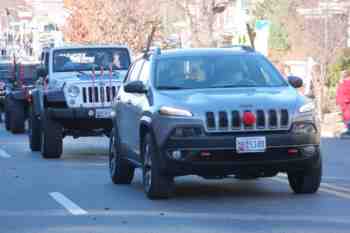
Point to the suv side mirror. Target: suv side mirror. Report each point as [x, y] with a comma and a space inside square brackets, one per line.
[295, 81]
[135, 87]
[41, 73]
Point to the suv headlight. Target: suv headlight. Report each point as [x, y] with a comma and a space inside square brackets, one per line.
[309, 107]
[304, 128]
[170, 111]
[73, 91]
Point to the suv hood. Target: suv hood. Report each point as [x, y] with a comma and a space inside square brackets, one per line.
[199, 101]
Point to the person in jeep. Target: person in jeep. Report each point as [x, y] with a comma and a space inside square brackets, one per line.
[213, 113]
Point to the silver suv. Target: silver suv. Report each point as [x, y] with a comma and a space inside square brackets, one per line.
[213, 113]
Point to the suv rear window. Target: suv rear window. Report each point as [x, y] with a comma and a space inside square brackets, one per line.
[224, 71]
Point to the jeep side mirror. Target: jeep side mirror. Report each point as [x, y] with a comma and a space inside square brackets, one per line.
[135, 87]
[41, 73]
[295, 81]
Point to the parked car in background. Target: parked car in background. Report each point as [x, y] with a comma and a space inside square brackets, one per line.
[213, 113]
[74, 94]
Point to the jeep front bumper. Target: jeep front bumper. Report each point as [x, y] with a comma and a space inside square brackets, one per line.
[81, 118]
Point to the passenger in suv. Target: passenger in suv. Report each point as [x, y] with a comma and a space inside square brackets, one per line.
[213, 113]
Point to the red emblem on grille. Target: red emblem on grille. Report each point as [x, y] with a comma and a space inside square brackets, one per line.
[249, 118]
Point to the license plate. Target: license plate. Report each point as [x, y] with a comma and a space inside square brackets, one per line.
[250, 144]
[103, 113]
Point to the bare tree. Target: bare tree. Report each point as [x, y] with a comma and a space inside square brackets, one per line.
[201, 16]
[109, 21]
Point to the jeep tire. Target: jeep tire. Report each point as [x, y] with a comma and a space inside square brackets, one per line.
[34, 131]
[7, 108]
[51, 138]
[306, 182]
[17, 116]
[156, 185]
[121, 171]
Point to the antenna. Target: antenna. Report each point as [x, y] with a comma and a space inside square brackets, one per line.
[149, 41]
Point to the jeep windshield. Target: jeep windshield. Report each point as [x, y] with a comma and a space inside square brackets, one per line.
[213, 71]
[85, 59]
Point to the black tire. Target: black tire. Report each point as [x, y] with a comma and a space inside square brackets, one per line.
[120, 170]
[156, 185]
[51, 138]
[7, 114]
[17, 116]
[34, 131]
[306, 182]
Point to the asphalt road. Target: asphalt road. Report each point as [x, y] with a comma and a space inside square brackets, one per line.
[75, 194]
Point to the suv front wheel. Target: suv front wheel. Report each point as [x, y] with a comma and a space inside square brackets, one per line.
[121, 171]
[156, 185]
[51, 138]
[308, 181]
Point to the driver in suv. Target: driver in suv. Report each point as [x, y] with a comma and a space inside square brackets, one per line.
[213, 113]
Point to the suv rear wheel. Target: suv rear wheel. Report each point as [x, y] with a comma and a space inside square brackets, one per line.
[34, 131]
[51, 138]
[121, 171]
[306, 182]
[156, 185]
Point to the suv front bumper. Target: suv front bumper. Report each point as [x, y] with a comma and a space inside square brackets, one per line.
[215, 154]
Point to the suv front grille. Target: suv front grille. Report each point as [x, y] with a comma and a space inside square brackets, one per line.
[231, 121]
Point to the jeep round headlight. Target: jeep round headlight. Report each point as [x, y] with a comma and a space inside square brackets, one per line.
[73, 91]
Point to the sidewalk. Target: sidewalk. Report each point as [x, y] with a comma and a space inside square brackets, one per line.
[332, 125]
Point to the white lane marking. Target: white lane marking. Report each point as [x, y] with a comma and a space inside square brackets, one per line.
[336, 187]
[341, 219]
[68, 204]
[323, 177]
[4, 154]
[322, 189]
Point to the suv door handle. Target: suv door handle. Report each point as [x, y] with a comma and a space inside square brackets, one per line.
[128, 102]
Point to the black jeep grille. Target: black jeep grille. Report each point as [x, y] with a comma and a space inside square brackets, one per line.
[230, 121]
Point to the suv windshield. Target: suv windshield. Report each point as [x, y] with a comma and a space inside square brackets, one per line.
[84, 59]
[223, 71]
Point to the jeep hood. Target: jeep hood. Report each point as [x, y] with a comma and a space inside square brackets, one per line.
[58, 79]
[87, 74]
[199, 101]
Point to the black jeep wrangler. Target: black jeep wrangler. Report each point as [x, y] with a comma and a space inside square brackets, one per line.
[17, 94]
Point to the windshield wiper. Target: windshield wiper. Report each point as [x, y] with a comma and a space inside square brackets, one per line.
[231, 85]
[170, 88]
